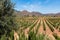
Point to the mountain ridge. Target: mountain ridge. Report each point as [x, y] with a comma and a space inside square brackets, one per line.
[27, 13]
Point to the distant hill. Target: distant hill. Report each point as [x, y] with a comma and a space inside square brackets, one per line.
[52, 14]
[27, 13]
[58, 14]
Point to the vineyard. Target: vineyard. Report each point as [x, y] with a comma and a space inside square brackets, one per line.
[38, 28]
[29, 20]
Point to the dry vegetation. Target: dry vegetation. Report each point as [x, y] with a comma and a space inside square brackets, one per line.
[39, 28]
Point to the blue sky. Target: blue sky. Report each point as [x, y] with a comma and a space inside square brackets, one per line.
[43, 6]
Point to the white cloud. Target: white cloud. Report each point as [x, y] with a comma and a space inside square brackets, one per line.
[31, 7]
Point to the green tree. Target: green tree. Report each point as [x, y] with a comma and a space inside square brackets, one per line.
[7, 23]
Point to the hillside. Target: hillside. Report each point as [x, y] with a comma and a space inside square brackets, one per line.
[27, 13]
